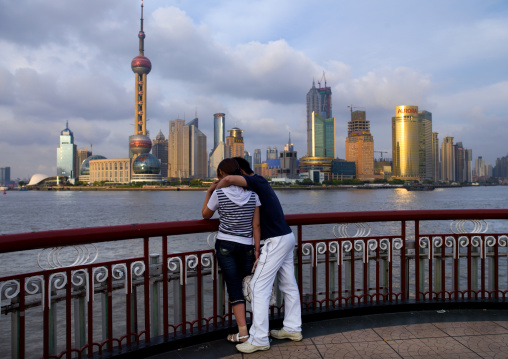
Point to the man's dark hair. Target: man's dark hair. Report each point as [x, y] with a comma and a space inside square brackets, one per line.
[244, 165]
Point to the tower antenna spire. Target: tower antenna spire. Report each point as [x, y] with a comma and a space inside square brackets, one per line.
[141, 34]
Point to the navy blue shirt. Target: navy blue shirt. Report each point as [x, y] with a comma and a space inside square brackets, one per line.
[273, 223]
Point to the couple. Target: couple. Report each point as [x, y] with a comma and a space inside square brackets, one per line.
[250, 211]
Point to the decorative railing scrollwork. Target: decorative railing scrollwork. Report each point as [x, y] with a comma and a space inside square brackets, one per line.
[51, 258]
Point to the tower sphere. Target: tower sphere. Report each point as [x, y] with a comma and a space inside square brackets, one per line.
[139, 144]
[141, 65]
[146, 164]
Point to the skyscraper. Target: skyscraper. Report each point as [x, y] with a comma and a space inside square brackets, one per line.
[460, 158]
[257, 157]
[219, 129]
[187, 156]
[468, 166]
[447, 160]
[219, 146]
[66, 154]
[319, 100]
[360, 146]
[234, 144]
[176, 149]
[425, 144]
[272, 153]
[436, 172]
[323, 136]
[5, 175]
[405, 143]
[160, 151]
[140, 143]
[288, 161]
[358, 122]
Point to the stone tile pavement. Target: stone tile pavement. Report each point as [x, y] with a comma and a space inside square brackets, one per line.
[427, 334]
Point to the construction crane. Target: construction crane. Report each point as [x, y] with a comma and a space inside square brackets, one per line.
[381, 152]
[351, 108]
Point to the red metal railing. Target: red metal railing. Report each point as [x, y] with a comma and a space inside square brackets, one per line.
[91, 308]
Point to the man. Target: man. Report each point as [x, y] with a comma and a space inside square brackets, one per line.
[276, 258]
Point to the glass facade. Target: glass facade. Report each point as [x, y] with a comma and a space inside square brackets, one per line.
[66, 155]
[405, 143]
[219, 129]
[323, 136]
[146, 164]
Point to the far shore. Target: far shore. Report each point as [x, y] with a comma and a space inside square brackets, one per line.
[187, 188]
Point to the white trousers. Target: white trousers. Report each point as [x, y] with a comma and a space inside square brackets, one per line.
[276, 258]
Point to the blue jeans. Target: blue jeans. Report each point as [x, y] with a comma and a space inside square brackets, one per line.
[236, 261]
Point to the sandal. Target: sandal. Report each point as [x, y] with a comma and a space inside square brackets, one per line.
[236, 338]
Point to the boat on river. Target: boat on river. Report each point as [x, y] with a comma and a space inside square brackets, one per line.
[419, 187]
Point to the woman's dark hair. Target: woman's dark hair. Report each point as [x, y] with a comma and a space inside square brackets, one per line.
[229, 166]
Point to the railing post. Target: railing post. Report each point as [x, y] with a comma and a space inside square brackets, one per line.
[410, 245]
[347, 275]
[333, 278]
[79, 318]
[15, 329]
[52, 326]
[491, 270]
[105, 315]
[437, 270]
[474, 269]
[221, 297]
[384, 270]
[154, 291]
[177, 301]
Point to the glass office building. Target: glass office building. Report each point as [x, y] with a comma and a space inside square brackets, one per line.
[323, 136]
[219, 129]
[405, 143]
[66, 154]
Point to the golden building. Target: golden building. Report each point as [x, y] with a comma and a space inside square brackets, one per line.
[234, 143]
[405, 143]
[116, 170]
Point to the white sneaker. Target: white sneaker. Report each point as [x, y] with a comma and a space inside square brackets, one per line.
[247, 347]
[282, 334]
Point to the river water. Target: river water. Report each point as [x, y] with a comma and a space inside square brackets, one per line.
[27, 211]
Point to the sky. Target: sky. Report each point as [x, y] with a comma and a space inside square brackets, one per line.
[69, 61]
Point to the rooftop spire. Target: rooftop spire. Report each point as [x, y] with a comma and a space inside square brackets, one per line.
[141, 34]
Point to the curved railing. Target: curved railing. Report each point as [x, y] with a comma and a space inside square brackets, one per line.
[94, 306]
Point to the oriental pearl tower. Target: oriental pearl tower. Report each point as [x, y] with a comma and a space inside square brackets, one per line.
[140, 143]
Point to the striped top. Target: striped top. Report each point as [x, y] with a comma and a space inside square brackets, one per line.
[235, 220]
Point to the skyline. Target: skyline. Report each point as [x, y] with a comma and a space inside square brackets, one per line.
[70, 61]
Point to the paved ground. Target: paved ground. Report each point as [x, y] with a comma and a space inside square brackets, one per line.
[428, 334]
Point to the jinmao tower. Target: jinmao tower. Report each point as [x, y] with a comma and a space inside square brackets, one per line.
[140, 143]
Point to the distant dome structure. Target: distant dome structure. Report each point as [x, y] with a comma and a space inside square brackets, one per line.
[146, 164]
[85, 166]
[139, 144]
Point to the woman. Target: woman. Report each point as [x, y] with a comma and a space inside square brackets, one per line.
[238, 239]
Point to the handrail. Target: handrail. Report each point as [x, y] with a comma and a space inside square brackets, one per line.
[47, 239]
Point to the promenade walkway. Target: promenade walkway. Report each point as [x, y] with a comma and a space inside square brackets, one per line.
[426, 334]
